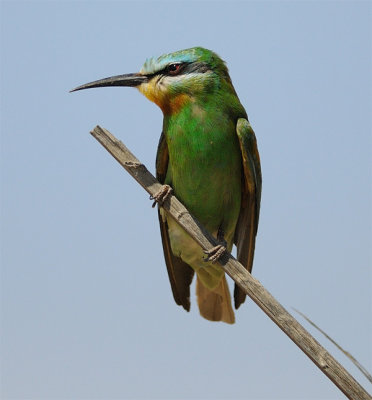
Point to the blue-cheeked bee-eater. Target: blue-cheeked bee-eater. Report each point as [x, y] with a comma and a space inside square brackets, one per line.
[207, 156]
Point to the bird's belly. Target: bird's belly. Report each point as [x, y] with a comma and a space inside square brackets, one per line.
[213, 197]
[210, 192]
[190, 252]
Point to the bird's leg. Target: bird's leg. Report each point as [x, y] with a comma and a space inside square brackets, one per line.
[161, 195]
[215, 253]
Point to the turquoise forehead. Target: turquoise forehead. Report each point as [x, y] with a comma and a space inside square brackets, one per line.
[153, 65]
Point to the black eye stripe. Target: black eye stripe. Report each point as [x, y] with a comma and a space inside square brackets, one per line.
[184, 68]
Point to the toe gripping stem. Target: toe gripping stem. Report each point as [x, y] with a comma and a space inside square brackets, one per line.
[161, 195]
[217, 252]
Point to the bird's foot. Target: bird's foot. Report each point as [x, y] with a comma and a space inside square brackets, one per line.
[161, 195]
[215, 253]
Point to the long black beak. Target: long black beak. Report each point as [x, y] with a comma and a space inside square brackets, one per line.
[118, 80]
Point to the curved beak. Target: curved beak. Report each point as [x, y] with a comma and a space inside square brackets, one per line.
[132, 80]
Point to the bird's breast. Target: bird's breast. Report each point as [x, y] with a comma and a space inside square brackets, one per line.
[205, 167]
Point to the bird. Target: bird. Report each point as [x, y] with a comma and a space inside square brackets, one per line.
[208, 158]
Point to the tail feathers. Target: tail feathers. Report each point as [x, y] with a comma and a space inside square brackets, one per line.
[215, 305]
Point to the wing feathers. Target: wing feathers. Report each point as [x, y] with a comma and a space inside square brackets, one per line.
[180, 274]
[246, 229]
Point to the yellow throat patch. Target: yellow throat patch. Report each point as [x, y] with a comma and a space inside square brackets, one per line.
[168, 104]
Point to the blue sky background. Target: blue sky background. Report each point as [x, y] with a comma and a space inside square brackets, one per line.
[86, 306]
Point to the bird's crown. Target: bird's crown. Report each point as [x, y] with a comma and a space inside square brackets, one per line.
[199, 55]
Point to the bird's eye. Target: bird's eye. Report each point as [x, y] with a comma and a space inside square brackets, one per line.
[173, 69]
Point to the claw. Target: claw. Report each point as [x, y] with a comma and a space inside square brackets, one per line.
[215, 253]
[161, 195]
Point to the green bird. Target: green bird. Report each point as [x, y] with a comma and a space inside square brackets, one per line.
[207, 156]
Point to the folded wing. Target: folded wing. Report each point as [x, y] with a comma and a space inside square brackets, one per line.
[246, 230]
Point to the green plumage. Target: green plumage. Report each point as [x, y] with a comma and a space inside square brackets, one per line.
[204, 167]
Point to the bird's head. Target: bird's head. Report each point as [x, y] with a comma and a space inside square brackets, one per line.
[173, 79]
